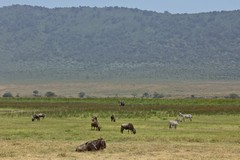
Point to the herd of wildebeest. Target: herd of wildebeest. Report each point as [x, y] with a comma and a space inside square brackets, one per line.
[100, 143]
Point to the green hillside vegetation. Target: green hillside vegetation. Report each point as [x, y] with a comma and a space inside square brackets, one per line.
[113, 43]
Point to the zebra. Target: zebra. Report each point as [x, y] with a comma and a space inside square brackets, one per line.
[185, 116]
[174, 123]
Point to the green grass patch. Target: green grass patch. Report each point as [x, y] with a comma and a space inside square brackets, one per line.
[214, 120]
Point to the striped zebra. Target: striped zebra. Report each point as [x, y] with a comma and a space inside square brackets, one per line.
[174, 123]
[185, 116]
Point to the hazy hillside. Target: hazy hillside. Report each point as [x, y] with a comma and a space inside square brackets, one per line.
[40, 44]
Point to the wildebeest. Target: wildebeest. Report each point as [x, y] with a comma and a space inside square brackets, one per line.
[121, 103]
[95, 125]
[185, 116]
[95, 145]
[128, 127]
[94, 119]
[174, 123]
[113, 118]
[38, 116]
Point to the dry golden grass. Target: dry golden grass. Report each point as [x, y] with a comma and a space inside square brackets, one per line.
[207, 137]
[34, 150]
[110, 89]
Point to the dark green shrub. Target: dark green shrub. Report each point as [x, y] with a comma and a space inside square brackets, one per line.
[50, 94]
[81, 94]
[35, 93]
[233, 96]
[7, 94]
[146, 95]
[157, 95]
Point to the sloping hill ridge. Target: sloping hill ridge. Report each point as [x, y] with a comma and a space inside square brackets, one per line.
[112, 43]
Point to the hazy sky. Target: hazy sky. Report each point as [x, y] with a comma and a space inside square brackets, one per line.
[173, 6]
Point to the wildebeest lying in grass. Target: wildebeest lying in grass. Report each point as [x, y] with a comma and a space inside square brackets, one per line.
[113, 118]
[38, 116]
[174, 123]
[128, 127]
[94, 145]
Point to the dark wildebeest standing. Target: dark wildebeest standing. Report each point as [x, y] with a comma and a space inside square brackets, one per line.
[121, 103]
[95, 124]
[128, 127]
[38, 116]
[113, 118]
[94, 145]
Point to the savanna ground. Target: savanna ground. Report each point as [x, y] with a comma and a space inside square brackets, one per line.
[213, 133]
[175, 89]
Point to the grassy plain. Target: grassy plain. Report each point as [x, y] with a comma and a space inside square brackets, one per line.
[213, 133]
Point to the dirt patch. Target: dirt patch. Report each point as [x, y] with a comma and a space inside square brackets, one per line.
[105, 89]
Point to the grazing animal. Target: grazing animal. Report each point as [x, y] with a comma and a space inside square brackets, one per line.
[174, 123]
[94, 119]
[185, 116]
[38, 116]
[128, 127]
[95, 145]
[121, 103]
[95, 124]
[113, 118]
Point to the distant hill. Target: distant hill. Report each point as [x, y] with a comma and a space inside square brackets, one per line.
[97, 44]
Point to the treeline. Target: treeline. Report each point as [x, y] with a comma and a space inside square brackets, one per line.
[117, 43]
[146, 95]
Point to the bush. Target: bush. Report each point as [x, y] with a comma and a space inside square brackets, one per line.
[35, 93]
[157, 95]
[81, 94]
[50, 94]
[233, 96]
[146, 95]
[7, 94]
